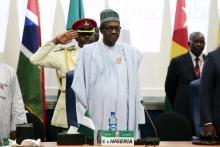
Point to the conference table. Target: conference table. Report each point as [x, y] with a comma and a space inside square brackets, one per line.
[162, 144]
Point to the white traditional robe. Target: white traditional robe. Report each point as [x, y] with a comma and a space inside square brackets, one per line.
[105, 81]
[12, 110]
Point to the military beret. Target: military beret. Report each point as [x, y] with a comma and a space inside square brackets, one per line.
[109, 15]
[85, 25]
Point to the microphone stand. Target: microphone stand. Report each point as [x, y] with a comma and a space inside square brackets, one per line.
[150, 140]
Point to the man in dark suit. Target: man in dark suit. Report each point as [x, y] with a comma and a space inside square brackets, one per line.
[181, 72]
[210, 95]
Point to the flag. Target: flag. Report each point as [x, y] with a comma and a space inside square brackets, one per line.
[76, 11]
[31, 77]
[166, 34]
[213, 38]
[11, 53]
[180, 38]
[180, 33]
[59, 24]
[86, 126]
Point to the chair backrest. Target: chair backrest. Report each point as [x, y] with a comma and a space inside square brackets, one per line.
[195, 106]
[70, 101]
[39, 130]
[172, 126]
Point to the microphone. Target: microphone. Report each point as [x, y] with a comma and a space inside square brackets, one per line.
[150, 140]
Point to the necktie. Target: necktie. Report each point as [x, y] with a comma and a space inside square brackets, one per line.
[197, 70]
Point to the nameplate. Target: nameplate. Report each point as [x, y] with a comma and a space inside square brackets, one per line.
[119, 137]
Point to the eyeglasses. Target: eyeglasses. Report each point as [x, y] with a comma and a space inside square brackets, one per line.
[110, 28]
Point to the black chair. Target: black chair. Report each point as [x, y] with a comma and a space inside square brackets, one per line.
[70, 101]
[195, 106]
[172, 126]
[39, 131]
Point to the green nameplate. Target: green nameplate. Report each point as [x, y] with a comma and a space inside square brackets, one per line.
[119, 137]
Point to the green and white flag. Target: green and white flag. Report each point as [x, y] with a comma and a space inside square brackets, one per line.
[76, 11]
[87, 127]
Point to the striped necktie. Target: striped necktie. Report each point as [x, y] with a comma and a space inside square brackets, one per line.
[197, 69]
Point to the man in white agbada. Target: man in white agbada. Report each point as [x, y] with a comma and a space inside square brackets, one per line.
[12, 110]
[106, 79]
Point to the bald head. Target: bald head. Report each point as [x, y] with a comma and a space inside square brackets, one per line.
[196, 34]
[196, 43]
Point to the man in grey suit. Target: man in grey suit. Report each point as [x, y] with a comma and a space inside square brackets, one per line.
[210, 95]
[181, 72]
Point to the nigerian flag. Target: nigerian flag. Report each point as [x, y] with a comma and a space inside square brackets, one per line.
[76, 11]
[87, 127]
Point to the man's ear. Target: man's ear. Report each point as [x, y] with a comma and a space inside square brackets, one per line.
[101, 29]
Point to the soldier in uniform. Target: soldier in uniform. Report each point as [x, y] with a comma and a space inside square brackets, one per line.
[61, 54]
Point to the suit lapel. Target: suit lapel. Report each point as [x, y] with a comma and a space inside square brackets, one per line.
[204, 57]
[189, 64]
